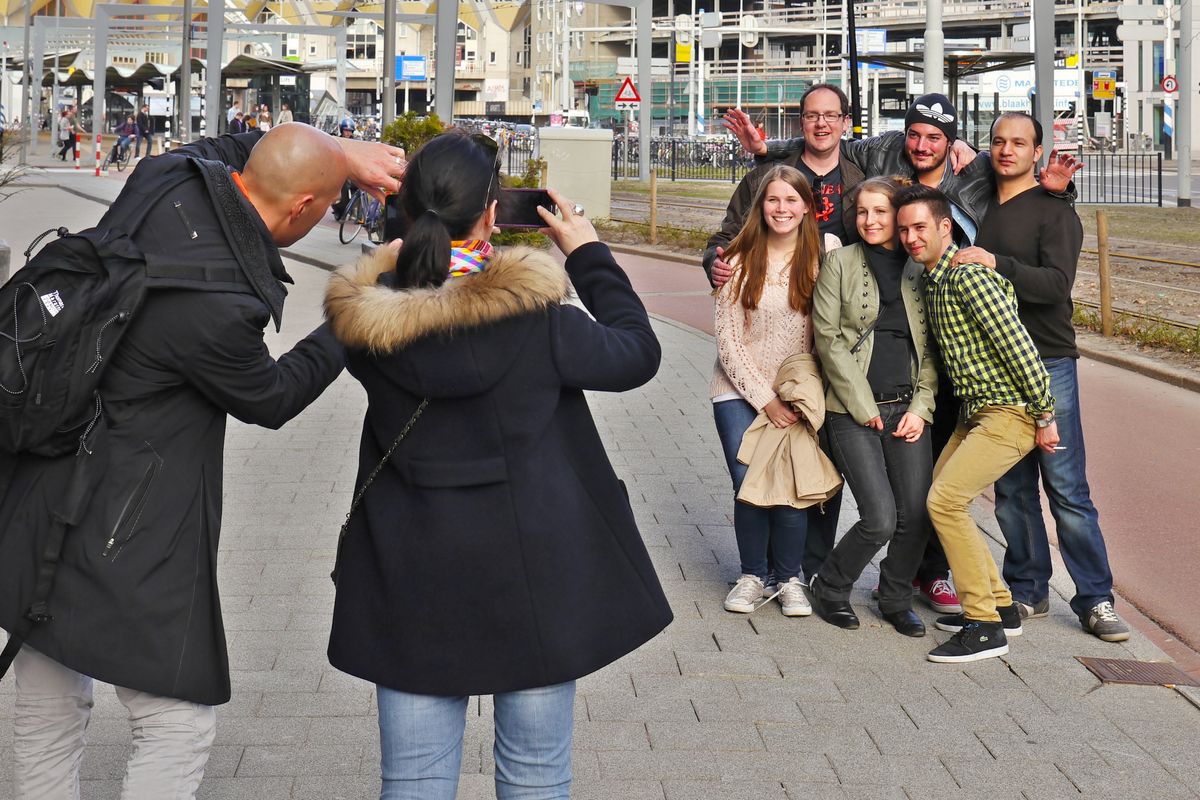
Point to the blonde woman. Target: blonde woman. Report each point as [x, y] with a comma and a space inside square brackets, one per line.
[762, 317]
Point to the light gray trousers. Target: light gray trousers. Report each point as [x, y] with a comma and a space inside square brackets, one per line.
[171, 738]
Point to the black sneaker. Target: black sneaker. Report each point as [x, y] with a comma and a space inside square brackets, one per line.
[1010, 618]
[975, 642]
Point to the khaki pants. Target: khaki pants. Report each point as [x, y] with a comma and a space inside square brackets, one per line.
[979, 453]
[171, 738]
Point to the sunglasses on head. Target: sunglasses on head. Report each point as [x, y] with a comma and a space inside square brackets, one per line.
[493, 149]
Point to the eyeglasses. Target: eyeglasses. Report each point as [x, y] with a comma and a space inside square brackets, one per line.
[493, 148]
[831, 117]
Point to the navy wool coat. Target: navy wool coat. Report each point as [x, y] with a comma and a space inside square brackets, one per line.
[496, 551]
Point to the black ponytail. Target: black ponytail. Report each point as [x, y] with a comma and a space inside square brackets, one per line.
[447, 186]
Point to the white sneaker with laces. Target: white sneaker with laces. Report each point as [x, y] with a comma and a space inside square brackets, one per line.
[746, 593]
[1102, 622]
[791, 597]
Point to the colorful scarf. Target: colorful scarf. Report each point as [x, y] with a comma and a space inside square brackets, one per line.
[468, 257]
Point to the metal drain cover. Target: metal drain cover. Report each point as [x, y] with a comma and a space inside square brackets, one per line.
[1142, 673]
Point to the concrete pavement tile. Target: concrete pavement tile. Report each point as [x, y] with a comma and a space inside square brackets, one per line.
[254, 731]
[660, 686]
[717, 710]
[360, 731]
[241, 704]
[100, 789]
[245, 788]
[952, 740]
[104, 762]
[704, 736]
[329, 759]
[1034, 774]
[726, 664]
[824, 791]
[654, 657]
[1091, 776]
[791, 738]
[611, 735]
[316, 704]
[606, 681]
[601, 708]
[905, 770]
[224, 760]
[334, 680]
[854, 714]
[656, 765]
[724, 790]
[276, 680]
[815, 689]
[611, 790]
[335, 787]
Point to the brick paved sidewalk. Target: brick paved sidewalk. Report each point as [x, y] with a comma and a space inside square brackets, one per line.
[721, 705]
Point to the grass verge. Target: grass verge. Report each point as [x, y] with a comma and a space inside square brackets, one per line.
[1142, 332]
[1179, 226]
[706, 190]
[674, 239]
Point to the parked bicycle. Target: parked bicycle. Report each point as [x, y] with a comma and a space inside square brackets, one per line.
[363, 211]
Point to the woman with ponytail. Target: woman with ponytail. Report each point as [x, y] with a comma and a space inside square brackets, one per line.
[492, 549]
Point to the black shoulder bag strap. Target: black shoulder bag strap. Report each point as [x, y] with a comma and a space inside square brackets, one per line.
[337, 559]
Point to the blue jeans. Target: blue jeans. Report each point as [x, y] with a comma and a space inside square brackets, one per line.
[890, 479]
[781, 529]
[421, 740]
[1027, 565]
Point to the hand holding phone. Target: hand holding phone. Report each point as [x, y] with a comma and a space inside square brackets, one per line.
[569, 232]
[518, 208]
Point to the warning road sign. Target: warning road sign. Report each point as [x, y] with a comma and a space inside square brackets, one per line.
[627, 96]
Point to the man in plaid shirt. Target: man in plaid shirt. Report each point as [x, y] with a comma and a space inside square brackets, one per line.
[1007, 410]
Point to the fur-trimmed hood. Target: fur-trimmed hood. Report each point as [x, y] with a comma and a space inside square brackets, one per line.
[367, 315]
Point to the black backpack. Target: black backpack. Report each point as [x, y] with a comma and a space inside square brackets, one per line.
[61, 318]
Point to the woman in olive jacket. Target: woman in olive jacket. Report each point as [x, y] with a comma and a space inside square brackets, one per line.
[876, 351]
[495, 552]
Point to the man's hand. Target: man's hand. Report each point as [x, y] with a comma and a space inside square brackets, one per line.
[721, 271]
[738, 123]
[874, 423]
[1060, 169]
[961, 154]
[1047, 438]
[974, 255]
[780, 415]
[376, 168]
[910, 428]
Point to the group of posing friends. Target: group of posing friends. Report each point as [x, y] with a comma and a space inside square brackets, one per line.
[478, 448]
[936, 306]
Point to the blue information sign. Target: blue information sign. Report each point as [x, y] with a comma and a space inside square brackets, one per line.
[410, 68]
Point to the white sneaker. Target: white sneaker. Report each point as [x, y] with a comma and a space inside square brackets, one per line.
[745, 594]
[791, 597]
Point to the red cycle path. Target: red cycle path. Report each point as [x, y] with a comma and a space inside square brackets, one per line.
[1143, 440]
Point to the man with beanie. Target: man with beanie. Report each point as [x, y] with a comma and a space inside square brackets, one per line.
[1040, 263]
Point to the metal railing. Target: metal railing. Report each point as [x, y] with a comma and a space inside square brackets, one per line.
[1120, 178]
[683, 159]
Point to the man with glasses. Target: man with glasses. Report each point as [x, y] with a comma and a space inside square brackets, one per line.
[826, 116]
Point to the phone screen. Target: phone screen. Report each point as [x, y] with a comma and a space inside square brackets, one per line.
[395, 223]
[518, 208]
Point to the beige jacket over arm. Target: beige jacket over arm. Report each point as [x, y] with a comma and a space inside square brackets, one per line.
[786, 465]
[845, 302]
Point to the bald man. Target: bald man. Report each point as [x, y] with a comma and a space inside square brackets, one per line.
[135, 599]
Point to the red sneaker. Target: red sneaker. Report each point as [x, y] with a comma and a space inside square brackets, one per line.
[940, 594]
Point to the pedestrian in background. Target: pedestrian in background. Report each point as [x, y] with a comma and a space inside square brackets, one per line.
[285, 114]
[762, 318]
[869, 322]
[502, 477]
[264, 118]
[145, 125]
[66, 133]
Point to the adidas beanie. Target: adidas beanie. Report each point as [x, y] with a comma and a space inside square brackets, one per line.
[936, 110]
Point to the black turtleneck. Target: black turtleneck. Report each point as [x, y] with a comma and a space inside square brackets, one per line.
[889, 371]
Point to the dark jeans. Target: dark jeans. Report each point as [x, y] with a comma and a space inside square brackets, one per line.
[137, 145]
[890, 479]
[68, 146]
[781, 528]
[1019, 508]
[822, 523]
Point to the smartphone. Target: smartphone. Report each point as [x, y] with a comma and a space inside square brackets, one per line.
[518, 208]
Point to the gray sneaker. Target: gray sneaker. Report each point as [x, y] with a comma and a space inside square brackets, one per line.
[1039, 609]
[1102, 621]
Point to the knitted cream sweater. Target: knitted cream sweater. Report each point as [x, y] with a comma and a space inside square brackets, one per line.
[751, 345]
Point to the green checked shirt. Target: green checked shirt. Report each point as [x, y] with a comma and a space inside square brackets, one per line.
[986, 350]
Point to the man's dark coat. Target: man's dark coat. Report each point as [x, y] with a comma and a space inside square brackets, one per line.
[135, 599]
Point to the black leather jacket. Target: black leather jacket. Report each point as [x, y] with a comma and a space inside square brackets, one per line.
[973, 190]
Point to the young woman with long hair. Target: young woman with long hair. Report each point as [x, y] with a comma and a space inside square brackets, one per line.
[501, 482]
[869, 319]
[762, 317]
